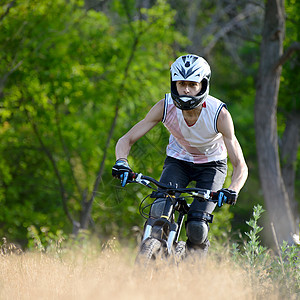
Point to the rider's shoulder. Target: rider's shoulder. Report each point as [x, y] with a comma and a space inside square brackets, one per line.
[224, 119]
[160, 104]
[211, 100]
[156, 112]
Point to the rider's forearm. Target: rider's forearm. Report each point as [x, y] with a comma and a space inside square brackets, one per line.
[122, 148]
[239, 177]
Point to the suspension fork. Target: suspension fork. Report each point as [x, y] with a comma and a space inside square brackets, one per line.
[163, 221]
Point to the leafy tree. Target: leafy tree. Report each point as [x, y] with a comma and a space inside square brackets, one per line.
[66, 74]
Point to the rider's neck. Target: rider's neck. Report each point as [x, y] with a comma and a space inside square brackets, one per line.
[191, 116]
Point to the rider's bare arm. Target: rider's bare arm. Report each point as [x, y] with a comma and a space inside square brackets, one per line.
[153, 117]
[235, 153]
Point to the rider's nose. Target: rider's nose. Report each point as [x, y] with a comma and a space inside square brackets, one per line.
[186, 90]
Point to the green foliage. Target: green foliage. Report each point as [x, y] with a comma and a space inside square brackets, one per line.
[282, 269]
[235, 84]
[254, 258]
[44, 240]
[64, 72]
[253, 250]
[62, 246]
[220, 229]
[286, 269]
[290, 91]
[42, 99]
[289, 94]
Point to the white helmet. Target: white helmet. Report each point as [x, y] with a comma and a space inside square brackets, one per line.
[190, 67]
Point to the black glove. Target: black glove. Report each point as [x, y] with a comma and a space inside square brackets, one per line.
[122, 170]
[227, 196]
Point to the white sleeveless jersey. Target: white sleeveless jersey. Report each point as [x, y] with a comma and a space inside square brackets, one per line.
[199, 143]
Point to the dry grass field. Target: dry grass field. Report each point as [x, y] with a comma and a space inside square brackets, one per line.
[112, 275]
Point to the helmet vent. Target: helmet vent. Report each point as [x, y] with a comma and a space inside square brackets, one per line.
[187, 64]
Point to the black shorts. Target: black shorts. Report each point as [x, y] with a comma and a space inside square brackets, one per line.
[209, 176]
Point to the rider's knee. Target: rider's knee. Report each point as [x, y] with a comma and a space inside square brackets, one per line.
[197, 227]
[197, 232]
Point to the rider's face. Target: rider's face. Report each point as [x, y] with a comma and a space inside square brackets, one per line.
[189, 88]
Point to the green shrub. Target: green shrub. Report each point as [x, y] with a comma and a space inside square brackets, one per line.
[282, 270]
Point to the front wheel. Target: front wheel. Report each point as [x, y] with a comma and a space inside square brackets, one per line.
[150, 249]
[179, 251]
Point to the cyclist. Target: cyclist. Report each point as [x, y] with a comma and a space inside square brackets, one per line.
[201, 137]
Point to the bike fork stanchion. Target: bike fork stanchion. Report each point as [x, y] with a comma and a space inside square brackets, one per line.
[179, 223]
[148, 231]
[170, 241]
[171, 237]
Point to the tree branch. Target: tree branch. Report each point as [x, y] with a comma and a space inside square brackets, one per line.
[56, 171]
[228, 28]
[287, 54]
[9, 6]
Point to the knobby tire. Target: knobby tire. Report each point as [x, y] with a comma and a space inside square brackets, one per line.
[180, 251]
[149, 251]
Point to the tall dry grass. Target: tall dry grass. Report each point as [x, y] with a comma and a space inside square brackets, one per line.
[111, 274]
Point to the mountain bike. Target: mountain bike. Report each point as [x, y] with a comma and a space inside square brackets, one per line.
[164, 214]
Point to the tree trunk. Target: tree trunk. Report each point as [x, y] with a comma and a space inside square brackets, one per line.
[288, 154]
[275, 194]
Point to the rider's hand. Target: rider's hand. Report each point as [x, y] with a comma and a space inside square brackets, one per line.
[227, 196]
[122, 170]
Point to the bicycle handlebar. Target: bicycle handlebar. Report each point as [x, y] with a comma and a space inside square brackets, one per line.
[196, 192]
